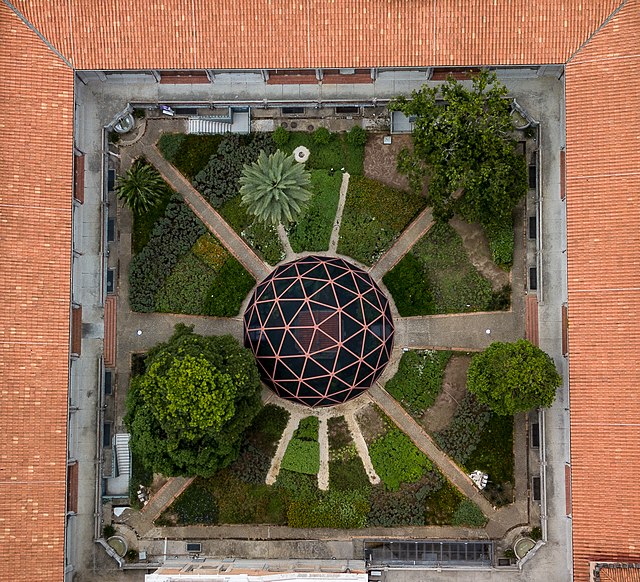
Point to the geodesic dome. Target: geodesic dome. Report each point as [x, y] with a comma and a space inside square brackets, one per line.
[321, 330]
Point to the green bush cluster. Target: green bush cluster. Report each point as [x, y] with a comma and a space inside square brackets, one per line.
[190, 153]
[140, 475]
[397, 460]
[442, 504]
[501, 243]
[143, 224]
[374, 215]
[406, 506]
[303, 453]
[455, 284]
[172, 238]
[494, 452]
[468, 514]
[312, 232]
[460, 439]
[187, 288]
[418, 380]
[321, 136]
[280, 137]
[356, 136]
[333, 509]
[210, 251]
[195, 506]
[218, 181]
[408, 285]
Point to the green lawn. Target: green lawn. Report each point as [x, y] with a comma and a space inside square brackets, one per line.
[374, 216]
[336, 154]
[312, 232]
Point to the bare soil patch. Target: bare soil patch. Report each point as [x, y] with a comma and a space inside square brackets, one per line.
[477, 246]
[454, 388]
[380, 160]
[370, 422]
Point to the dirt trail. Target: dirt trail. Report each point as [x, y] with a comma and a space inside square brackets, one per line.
[477, 247]
[454, 388]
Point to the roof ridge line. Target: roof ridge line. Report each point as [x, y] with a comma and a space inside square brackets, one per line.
[38, 33]
[596, 31]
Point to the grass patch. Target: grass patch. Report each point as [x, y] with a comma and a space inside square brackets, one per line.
[374, 216]
[418, 380]
[140, 475]
[267, 428]
[303, 453]
[189, 153]
[346, 470]
[455, 284]
[262, 238]
[312, 232]
[468, 514]
[397, 460]
[143, 223]
[228, 290]
[336, 153]
[441, 506]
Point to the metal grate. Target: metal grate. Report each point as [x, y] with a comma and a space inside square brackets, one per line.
[440, 553]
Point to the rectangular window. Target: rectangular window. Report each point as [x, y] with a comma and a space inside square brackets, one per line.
[348, 109]
[536, 492]
[533, 176]
[106, 434]
[533, 227]
[108, 382]
[533, 278]
[111, 229]
[110, 280]
[535, 435]
[292, 110]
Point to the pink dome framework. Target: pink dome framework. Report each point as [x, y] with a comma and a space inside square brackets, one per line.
[321, 330]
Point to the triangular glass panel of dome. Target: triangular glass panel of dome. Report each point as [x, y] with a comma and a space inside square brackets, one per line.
[371, 312]
[285, 371]
[378, 329]
[325, 296]
[313, 369]
[265, 349]
[350, 327]
[346, 282]
[348, 374]
[291, 345]
[265, 292]
[288, 287]
[274, 336]
[354, 310]
[303, 266]
[372, 358]
[290, 308]
[275, 317]
[312, 286]
[354, 343]
[345, 358]
[371, 342]
[264, 309]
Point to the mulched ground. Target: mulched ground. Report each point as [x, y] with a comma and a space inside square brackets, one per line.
[380, 160]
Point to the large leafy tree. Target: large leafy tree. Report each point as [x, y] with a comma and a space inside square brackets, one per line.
[513, 377]
[462, 143]
[274, 188]
[189, 409]
[141, 187]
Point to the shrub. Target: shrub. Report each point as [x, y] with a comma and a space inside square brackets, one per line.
[108, 531]
[307, 429]
[172, 237]
[468, 514]
[334, 509]
[302, 457]
[321, 136]
[228, 290]
[218, 181]
[501, 243]
[280, 136]
[196, 505]
[144, 223]
[460, 439]
[356, 136]
[397, 460]
[141, 187]
[347, 473]
[267, 428]
[252, 465]
[408, 285]
[494, 451]
[501, 299]
[441, 505]
[189, 153]
[339, 434]
[455, 284]
[374, 215]
[187, 288]
[418, 380]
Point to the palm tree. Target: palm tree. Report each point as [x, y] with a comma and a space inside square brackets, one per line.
[274, 188]
[141, 187]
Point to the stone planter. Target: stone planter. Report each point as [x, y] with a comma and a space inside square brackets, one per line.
[522, 546]
[119, 545]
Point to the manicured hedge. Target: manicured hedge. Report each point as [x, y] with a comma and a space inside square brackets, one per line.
[501, 243]
[374, 216]
[418, 380]
[333, 509]
[469, 514]
[228, 290]
[303, 453]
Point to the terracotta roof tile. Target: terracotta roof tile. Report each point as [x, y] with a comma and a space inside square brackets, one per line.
[314, 33]
[603, 222]
[35, 245]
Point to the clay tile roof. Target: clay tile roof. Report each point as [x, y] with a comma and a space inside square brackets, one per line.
[36, 94]
[618, 573]
[186, 34]
[603, 223]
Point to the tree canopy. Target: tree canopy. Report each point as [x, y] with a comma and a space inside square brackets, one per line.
[275, 187]
[513, 377]
[189, 409]
[141, 187]
[462, 143]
